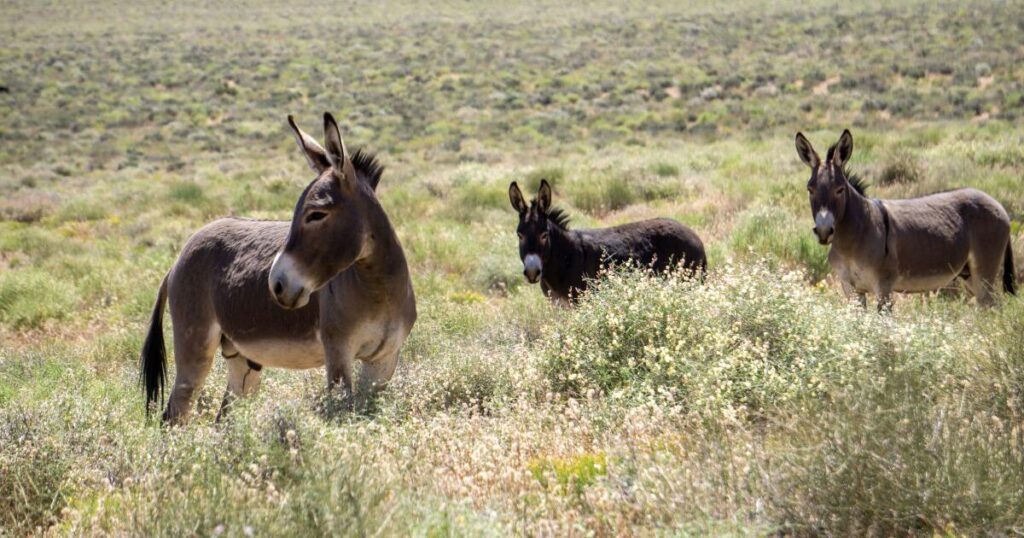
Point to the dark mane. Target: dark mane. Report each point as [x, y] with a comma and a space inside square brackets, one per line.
[858, 183]
[559, 218]
[366, 164]
[556, 215]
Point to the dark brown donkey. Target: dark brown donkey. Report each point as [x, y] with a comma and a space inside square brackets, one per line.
[563, 260]
[915, 245]
[329, 287]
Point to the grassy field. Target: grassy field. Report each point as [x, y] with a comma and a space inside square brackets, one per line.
[759, 402]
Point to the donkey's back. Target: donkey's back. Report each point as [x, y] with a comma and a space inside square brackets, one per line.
[966, 210]
[659, 243]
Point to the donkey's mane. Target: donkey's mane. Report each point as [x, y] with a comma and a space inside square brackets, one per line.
[858, 183]
[366, 163]
[556, 215]
[559, 218]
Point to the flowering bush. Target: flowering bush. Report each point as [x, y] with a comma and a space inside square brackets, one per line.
[750, 337]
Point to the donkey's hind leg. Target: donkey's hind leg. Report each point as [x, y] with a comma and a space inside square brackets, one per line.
[984, 278]
[194, 348]
[883, 291]
[243, 377]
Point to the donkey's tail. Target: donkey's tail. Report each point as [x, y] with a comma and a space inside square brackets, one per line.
[1009, 275]
[153, 361]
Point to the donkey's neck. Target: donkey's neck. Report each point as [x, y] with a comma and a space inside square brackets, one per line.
[560, 272]
[382, 261]
[857, 224]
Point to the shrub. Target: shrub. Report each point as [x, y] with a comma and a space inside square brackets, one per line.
[458, 375]
[890, 461]
[189, 197]
[666, 169]
[187, 192]
[901, 166]
[26, 208]
[599, 196]
[750, 337]
[81, 210]
[1005, 156]
[915, 441]
[498, 273]
[531, 182]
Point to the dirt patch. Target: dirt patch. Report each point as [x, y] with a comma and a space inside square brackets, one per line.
[822, 87]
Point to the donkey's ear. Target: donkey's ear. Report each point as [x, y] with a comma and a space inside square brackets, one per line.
[311, 150]
[544, 196]
[806, 152]
[844, 149]
[337, 154]
[516, 197]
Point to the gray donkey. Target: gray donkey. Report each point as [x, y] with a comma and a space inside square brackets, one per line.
[329, 287]
[914, 245]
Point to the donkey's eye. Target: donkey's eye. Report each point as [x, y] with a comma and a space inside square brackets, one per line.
[315, 216]
[810, 189]
[544, 237]
[521, 236]
[840, 190]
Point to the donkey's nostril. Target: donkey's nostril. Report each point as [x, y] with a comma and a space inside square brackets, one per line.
[278, 288]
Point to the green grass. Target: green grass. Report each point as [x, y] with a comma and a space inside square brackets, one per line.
[760, 402]
[575, 474]
[773, 231]
[29, 298]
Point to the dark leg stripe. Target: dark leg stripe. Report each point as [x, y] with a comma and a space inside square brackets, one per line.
[885, 221]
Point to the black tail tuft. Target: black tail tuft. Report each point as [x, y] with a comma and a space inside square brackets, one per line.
[153, 361]
[1009, 274]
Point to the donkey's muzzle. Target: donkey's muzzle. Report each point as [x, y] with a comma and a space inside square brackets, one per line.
[824, 226]
[287, 286]
[532, 268]
[824, 235]
[288, 296]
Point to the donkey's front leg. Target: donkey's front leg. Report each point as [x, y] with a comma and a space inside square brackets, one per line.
[884, 294]
[338, 362]
[374, 377]
[849, 290]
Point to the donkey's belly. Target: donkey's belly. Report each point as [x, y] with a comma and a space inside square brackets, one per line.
[922, 283]
[295, 354]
